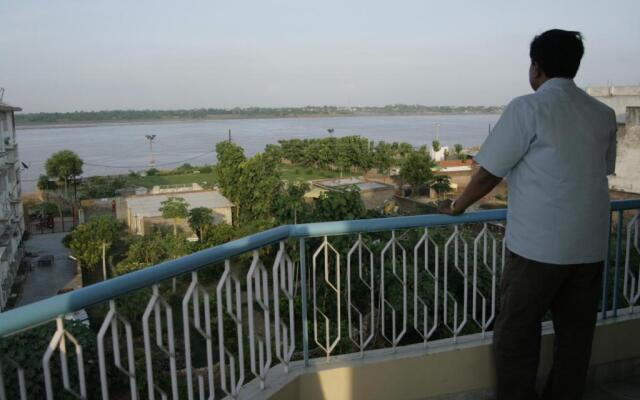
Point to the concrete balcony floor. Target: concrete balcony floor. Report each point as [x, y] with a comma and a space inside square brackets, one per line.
[621, 390]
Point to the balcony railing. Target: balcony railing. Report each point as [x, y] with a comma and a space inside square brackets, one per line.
[207, 324]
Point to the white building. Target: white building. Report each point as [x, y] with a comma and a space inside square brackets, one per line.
[438, 155]
[625, 100]
[627, 175]
[11, 213]
[617, 97]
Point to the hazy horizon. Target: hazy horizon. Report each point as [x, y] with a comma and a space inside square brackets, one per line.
[264, 107]
[65, 56]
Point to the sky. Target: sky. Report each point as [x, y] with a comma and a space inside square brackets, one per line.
[68, 55]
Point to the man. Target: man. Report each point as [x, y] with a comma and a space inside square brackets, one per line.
[556, 148]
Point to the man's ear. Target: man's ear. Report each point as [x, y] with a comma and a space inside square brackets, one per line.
[540, 74]
[537, 71]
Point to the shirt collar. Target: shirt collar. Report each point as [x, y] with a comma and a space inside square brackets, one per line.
[556, 83]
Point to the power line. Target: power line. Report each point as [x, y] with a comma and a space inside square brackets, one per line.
[146, 166]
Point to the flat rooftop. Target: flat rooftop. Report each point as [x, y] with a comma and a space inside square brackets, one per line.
[149, 205]
[362, 184]
[7, 107]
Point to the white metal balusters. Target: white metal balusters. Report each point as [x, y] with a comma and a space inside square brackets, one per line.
[324, 251]
[231, 306]
[357, 335]
[112, 323]
[486, 243]
[392, 247]
[455, 239]
[429, 250]
[199, 317]
[155, 306]
[59, 343]
[631, 289]
[22, 385]
[258, 292]
[284, 282]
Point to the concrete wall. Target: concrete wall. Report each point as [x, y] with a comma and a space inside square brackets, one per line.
[144, 225]
[460, 178]
[374, 199]
[627, 176]
[617, 97]
[453, 371]
[223, 214]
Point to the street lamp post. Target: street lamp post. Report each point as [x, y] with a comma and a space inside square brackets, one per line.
[150, 139]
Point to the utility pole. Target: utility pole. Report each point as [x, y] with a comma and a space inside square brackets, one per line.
[150, 138]
[229, 135]
[104, 261]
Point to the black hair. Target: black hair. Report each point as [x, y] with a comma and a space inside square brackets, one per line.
[557, 52]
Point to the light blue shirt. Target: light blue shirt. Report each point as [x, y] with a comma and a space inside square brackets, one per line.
[555, 147]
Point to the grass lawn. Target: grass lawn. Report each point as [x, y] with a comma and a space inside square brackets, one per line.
[294, 173]
[289, 173]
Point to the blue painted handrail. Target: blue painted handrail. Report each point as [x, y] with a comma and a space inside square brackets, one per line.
[33, 314]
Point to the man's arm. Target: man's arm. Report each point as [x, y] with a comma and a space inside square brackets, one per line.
[481, 183]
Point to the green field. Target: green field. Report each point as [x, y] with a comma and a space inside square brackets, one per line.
[289, 173]
[292, 173]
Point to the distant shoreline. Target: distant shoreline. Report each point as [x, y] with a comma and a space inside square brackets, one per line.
[85, 124]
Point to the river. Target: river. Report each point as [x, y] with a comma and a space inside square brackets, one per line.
[118, 148]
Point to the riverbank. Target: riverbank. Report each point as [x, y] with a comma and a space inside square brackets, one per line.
[169, 121]
[115, 149]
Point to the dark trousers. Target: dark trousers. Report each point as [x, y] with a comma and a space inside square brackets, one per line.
[529, 289]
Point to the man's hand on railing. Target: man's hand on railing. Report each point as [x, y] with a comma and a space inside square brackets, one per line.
[481, 183]
[449, 207]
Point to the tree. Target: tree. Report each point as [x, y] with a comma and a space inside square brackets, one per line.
[274, 151]
[64, 165]
[48, 188]
[174, 208]
[459, 151]
[436, 145]
[416, 170]
[152, 249]
[257, 187]
[252, 184]
[46, 185]
[290, 206]
[217, 234]
[146, 250]
[90, 242]
[200, 219]
[230, 156]
[383, 157]
[339, 205]
[404, 149]
[441, 184]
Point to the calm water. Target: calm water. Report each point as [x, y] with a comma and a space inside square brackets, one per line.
[118, 148]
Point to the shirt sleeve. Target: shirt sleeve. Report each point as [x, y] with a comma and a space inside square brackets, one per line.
[509, 140]
[611, 150]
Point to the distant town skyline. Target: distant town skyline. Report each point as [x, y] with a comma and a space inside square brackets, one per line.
[63, 56]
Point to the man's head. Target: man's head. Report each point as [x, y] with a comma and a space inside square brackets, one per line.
[554, 54]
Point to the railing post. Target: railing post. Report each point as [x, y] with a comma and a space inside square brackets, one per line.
[616, 276]
[605, 273]
[303, 294]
